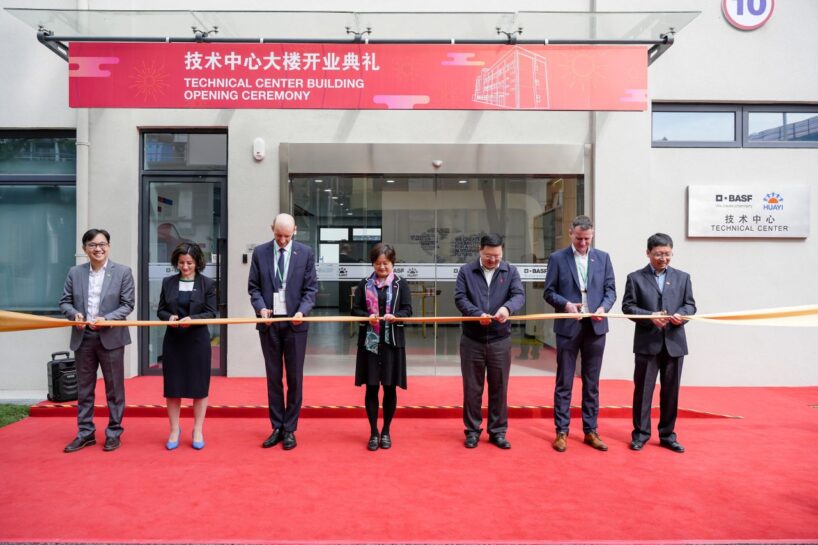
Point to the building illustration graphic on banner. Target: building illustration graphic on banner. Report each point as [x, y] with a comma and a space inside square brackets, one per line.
[518, 80]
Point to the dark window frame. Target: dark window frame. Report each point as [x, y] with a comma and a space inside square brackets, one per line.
[735, 109]
[742, 126]
[148, 175]
[775, 108]
[143, 168]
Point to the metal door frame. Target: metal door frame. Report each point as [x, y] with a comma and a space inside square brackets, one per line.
[143, 306]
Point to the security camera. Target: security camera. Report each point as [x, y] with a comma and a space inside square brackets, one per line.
[437, 163]
[258, 149]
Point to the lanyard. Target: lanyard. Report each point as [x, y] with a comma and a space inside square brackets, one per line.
[282, 274]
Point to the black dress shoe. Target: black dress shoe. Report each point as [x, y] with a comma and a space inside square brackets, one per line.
[500, 440]
[274, 439]
[80, 442]
[386, 441]
[672, 445]
[637, 445]
[373, 442]
[472, 440]
[289, 440]
[112, 443]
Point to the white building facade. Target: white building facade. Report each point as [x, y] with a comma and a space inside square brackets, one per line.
[721, 101]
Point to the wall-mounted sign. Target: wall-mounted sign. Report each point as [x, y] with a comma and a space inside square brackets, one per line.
[357, 76]
[747, 14]
[426, 272]
[748, 211]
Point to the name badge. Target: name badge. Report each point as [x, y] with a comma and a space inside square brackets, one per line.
[279, 303]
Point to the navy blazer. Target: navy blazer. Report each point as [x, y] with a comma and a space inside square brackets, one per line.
[301, 284]
[562, 287]
[116, 302]
[642, 296]
[474, 297]
[203, 301]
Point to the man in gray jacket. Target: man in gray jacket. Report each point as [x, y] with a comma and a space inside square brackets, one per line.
[96, 292]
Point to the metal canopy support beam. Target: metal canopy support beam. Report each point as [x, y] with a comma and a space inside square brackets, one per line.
[57, 45]
[659, 49]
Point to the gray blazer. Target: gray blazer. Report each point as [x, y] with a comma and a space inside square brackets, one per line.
[116, 302]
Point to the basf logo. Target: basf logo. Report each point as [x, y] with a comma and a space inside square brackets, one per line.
[747, 197]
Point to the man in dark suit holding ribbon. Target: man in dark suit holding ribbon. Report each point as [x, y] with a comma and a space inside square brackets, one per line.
[579, 280]
[660, 343]
[283, 283]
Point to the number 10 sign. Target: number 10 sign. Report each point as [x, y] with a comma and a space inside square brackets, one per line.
[747, 14]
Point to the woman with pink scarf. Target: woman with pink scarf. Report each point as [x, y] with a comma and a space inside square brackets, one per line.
[384, 298]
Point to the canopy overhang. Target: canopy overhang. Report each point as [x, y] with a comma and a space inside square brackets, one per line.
[57, 28]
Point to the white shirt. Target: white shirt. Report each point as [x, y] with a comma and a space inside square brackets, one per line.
[95, 280]
[581, 262]
[487, 273]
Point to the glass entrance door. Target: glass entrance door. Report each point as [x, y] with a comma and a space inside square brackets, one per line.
[435, 225]
[179, 210]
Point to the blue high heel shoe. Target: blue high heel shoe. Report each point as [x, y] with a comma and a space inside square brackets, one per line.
[173, 445]
[198, 445]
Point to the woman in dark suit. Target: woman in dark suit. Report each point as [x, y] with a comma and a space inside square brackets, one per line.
[186, 296]
[381, 360]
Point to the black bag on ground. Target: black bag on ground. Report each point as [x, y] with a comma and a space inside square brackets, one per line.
[62, 377]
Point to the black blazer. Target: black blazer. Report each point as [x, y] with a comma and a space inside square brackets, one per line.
[642, 296]
[203, 302]
[402, 308]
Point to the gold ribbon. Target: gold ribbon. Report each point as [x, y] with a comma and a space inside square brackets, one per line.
[803, 316]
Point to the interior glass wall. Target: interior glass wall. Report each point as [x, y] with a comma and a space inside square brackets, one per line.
[435, 225]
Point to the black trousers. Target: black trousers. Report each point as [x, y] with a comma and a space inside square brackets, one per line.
[590, 347]
[283, 349]
[90, 355]
[647, 368]
[480, 361]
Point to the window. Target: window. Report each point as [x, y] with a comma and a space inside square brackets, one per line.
[185, 151]
[731, 125]
[38, 154]
[37, 219]
[784, 126]
[698, 126]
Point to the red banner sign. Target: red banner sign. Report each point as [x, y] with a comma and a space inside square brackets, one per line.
[357, 76]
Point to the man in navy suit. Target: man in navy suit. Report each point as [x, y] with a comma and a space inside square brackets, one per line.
[283, 282]
[579, 280]
[659, 344]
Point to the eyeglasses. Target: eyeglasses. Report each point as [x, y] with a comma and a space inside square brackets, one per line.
[658, 255]
[95, 245]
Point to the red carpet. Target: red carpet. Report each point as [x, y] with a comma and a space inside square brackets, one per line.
[337, 397]
[740, 481]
